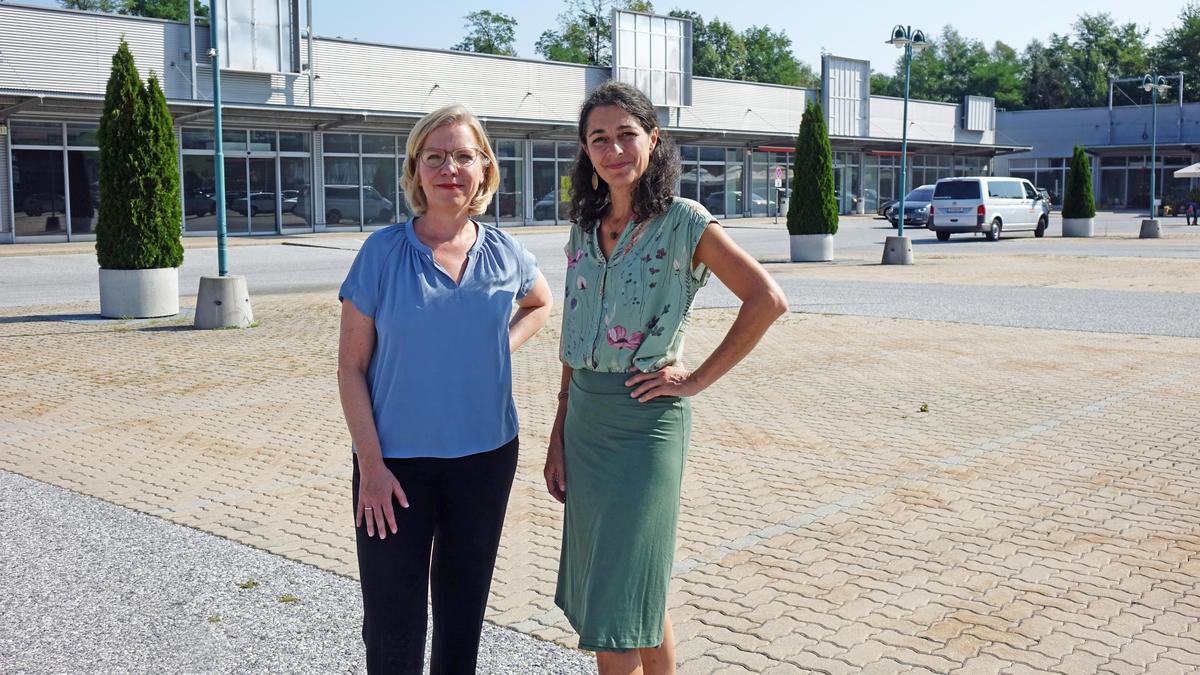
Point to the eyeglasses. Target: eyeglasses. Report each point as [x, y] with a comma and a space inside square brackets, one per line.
[462, 157]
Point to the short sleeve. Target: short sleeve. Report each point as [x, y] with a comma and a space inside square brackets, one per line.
[698, 220]
[528, 266]
[362, 283]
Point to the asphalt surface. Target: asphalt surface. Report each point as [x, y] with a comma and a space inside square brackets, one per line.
[98, 588]
[316, 264]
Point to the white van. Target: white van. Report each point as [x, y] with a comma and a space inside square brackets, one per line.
[987, 205]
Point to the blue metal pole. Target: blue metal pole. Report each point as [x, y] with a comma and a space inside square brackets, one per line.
[218, 148]
[1153, 146]
[904, 138]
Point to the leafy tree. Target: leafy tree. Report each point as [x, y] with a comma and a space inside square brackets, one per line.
[1179, 50]
[754, 55]
[1078, 201]
[812, 208]
[717, 49]
[489, 33]
[1103, 49]
[769, 59]
[172, 10]
[139, 215]
[1047, 73]
[584, 31]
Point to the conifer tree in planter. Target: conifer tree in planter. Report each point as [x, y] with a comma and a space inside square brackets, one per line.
[812, 217]
[138, 234]
[1079, 206]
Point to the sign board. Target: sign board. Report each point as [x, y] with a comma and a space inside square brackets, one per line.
[654, 53]
[779, 173]
[778, 182]
[260, 36]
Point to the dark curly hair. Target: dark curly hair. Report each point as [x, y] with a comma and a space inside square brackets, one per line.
[654, 190]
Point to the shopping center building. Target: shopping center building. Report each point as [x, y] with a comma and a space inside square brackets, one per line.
[1116, 139]
[314, 130]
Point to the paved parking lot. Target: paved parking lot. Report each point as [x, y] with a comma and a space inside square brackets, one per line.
[864, 494]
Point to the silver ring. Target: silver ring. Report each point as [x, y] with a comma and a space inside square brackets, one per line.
[368, 508]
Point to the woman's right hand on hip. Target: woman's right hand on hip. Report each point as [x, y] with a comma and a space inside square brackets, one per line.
[376, 489]
[556, 469]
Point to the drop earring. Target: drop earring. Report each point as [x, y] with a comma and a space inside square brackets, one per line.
[595, 181]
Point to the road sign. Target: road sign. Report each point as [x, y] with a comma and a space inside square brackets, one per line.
[778, 182]
[778, 174]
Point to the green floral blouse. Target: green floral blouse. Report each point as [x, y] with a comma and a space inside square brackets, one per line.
[630, 310]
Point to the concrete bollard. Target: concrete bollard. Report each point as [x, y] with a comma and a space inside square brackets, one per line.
[1150, 230]
[897, 251]
[223, 302]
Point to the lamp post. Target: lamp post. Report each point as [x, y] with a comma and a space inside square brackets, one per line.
[221, 301]
[897, 250]
[1157, 86]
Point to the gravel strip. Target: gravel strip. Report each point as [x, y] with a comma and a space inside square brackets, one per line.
[94, 587]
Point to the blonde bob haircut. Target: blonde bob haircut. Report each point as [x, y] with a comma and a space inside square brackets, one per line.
[451, 114]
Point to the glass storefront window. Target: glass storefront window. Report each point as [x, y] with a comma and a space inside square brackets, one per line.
[295, 189]
[233, 140]
[346, 143]
[293, 141]
[199, 199]
[36, 133]
[82, 135]
[198, 139]
[83, 168]
[543, 150]
[374, 144]
[508, 204]
[39, 193]
[262, 141]
[379, 193]
[342, 191]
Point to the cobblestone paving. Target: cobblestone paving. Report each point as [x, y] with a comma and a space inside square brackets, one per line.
[862, 495]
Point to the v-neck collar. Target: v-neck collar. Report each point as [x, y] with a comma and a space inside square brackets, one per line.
[410, 232]
[597, 233]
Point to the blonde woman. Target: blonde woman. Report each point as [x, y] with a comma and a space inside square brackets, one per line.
[424, 374]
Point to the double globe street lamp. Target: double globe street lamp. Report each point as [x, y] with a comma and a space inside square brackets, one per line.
[1157, 86]
[897, 250]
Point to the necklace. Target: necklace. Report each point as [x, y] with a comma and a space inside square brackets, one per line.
[614, 235]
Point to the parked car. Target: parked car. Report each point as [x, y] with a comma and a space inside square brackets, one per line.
[916, 208]
[40, 202]
[884, 206]
[252, 204]
[289, 199]
[545, 208]
[1048, 202]
[198, 202]
[987, 205]
[342, 201]
[715, 201]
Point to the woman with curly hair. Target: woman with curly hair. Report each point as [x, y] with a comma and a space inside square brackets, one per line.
[636, 257]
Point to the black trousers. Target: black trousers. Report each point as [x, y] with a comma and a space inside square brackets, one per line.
[456, 511]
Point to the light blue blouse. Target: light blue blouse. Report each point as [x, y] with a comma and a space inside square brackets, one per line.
[440, 377]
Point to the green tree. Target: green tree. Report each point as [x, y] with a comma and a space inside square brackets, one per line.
[1078, 202]
[757, 54]
[1179, 50]
[489, 33]
[717, 49]
[1047, 74]
[812, 208]
[1001, 76]
[1102, 49]
[584, 33]
[138, 226]
[769, 59]
[172, 10]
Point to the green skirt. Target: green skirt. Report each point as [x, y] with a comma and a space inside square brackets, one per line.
[624, 465]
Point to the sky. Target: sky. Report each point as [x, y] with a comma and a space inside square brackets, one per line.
[857, 30]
